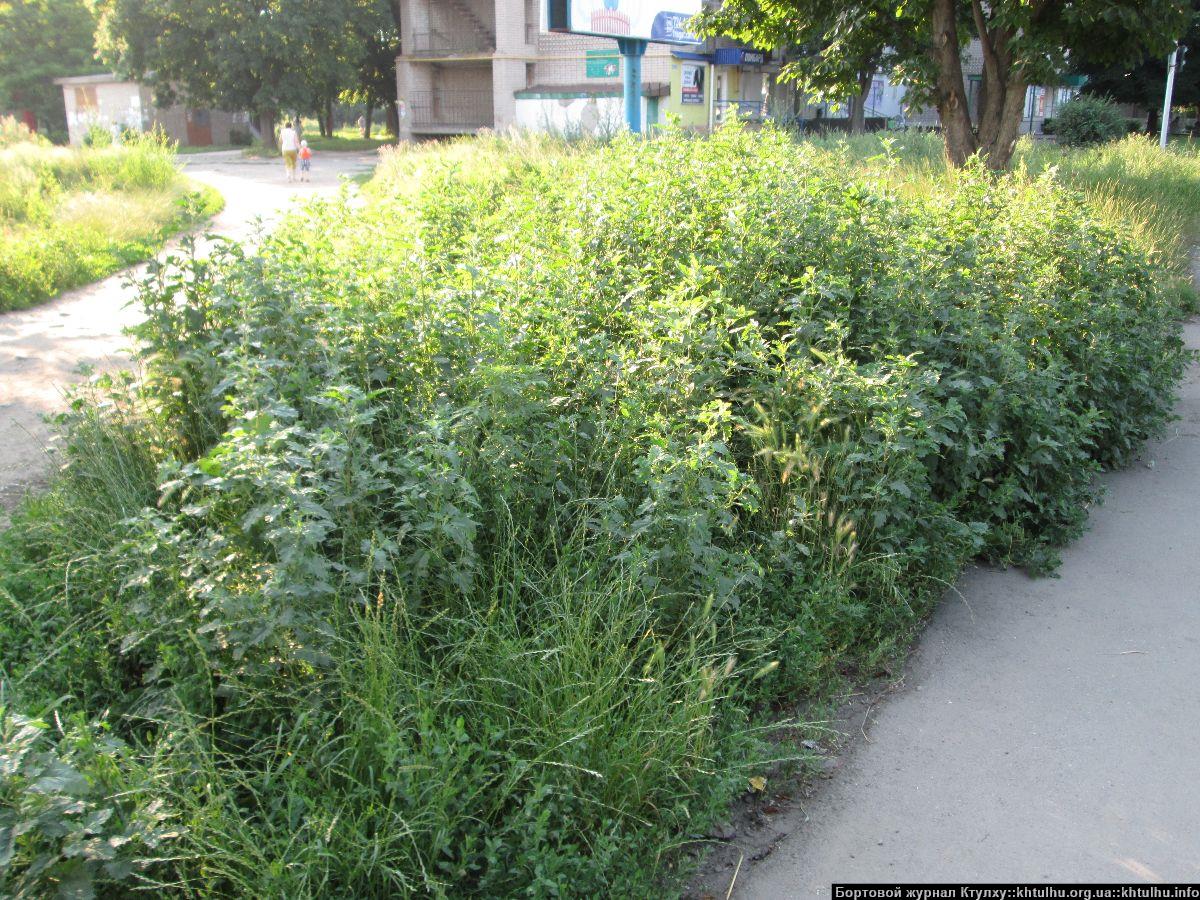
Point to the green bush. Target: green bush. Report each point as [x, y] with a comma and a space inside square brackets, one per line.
[97, 136]
[74, 810]
[451, 538]
[240, 137]
[1089, 120]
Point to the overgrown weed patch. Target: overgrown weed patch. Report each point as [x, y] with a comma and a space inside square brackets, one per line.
[452, 541]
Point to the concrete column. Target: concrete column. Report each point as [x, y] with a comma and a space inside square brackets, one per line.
[508, 77]
[414, 84]
[510, 27]
[508, 68]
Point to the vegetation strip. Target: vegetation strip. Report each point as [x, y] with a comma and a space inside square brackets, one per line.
[462, 541]
[71, 216]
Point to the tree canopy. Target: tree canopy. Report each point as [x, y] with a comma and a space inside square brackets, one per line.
[41, 40]
[920, 42]
[833, 48]
[375, 87]
[1141, 82]
[264, 56]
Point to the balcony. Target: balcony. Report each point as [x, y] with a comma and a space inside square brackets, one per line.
[450, 112]
[440, 44]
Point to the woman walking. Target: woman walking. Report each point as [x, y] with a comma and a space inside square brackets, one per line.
[289, 143]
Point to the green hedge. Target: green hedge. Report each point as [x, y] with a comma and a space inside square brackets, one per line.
[453, 538]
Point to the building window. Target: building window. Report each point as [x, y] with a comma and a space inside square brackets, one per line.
[974, 88]
[85, 99]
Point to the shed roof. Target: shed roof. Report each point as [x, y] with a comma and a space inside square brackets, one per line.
[102, 78]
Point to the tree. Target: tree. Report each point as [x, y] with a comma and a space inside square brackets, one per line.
[834, 49]
[335, 68]
[1023, 42]
[1141, 82]
[376, 87]
[264, 56]
[41, 40]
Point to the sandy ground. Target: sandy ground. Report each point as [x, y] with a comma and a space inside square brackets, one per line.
[41, 349]
[1045, 729]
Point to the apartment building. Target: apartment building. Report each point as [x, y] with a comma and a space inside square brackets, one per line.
[471, 64]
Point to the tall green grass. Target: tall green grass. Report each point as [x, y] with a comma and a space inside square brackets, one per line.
[1131, 184]
[69, 216]
[459, 540]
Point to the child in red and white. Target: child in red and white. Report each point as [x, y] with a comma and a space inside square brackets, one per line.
[305, 162]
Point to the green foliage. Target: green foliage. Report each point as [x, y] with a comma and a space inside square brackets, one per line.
[839, 44]
[838, 47]
[451, 537]
[264, 57]
[41, 40]
[97, 136]
[240, 137]
[1152, 196]
[14, 132]
[74, 809]
[1140, 80]
[1089, 120]
[72, 216]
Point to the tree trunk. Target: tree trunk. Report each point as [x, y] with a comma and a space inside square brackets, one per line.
[1001, 95]
[330, 126]
[997, 142]
[393, 119]
[266, 127]
[321, 126]
[949, 93]
[858, 105]
[1152, 120]
[367, 117]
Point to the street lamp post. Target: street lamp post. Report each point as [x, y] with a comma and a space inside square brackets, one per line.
[1166, 114]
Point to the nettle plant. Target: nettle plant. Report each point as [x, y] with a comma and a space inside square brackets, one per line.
[73, 810]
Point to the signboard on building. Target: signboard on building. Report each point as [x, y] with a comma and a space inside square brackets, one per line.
[603, 64]
[739, 56]
[691, 83]
[661, 21]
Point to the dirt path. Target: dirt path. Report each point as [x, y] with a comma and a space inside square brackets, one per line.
[42, 348]
[1046, 729]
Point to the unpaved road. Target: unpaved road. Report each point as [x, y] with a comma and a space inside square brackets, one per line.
[1046, 729]
[41, 349]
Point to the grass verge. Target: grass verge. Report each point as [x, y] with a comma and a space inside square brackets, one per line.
[72, 216]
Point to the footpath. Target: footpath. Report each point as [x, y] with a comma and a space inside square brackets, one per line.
[42, 349]
[1045, 729]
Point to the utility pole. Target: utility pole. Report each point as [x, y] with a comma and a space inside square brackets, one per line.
[1166, 114]
[632, 51]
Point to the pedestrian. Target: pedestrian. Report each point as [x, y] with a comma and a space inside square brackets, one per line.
[289, 143]
[305, 162]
